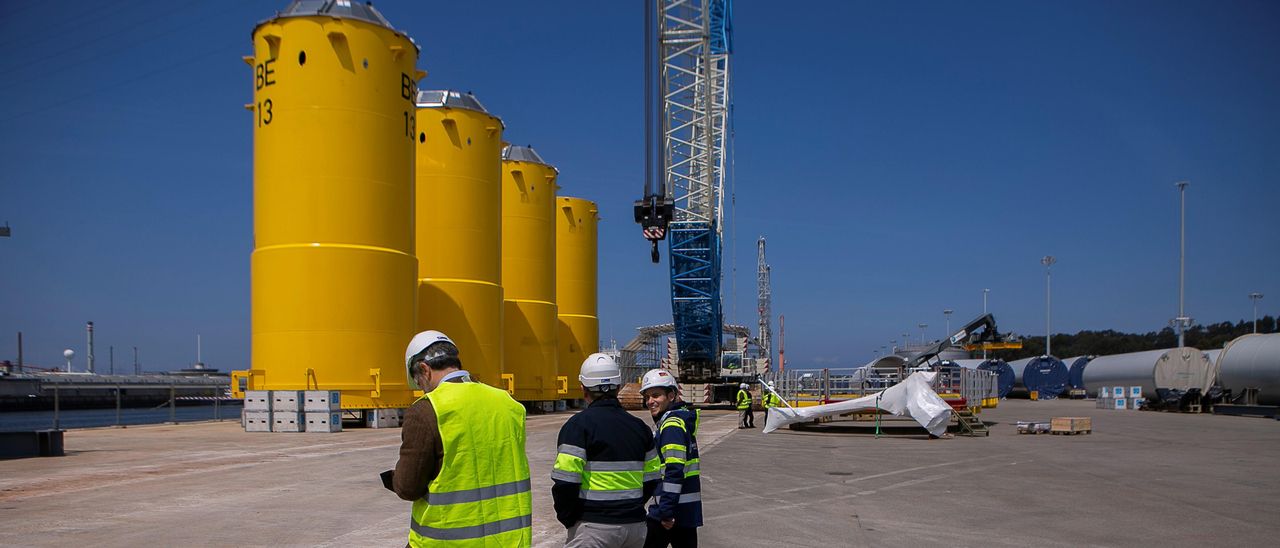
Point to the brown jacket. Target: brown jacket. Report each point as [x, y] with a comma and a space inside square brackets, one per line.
[421, 451]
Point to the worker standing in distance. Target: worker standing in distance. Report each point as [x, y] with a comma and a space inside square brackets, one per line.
[606, 466]
[770, 400]
[675, 516]
[462, 458]
[744, 405]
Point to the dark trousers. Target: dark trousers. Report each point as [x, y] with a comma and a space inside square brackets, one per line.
[676, 537]
[748, 419]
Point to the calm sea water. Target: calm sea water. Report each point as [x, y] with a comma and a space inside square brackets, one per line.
[89, 418]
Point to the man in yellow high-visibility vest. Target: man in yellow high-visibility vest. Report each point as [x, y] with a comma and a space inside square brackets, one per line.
[744, 405]
[482, 499]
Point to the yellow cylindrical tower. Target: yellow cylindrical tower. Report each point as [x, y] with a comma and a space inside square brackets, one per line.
[459, 228]
[576, 284]
[528, 274]
[333, 272]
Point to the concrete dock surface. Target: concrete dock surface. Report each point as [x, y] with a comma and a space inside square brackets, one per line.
[1141, 478]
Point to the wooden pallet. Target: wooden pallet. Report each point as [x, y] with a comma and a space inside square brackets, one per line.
[1071, 433]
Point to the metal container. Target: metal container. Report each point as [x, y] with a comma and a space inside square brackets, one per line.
[1004, 375]
[1176, 368]
[1213, 357]
[459, 227]
[576, 285]
[333, 272]
[529, 274]
[1252, 361]
[1046, 375]
[1075, 370]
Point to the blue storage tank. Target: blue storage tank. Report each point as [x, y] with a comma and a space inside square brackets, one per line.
[1075, 370]
[1046, 375]
[1004, 375]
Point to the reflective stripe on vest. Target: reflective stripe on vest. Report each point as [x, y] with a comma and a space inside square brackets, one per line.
[481, 497]
[605, 480]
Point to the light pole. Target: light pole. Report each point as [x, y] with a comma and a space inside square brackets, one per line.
[947, 313]
[1255, 297]
[905, 341]
[984, 313]
[1047, 261]
[1182, 322]
[894, 342]
[922, 326]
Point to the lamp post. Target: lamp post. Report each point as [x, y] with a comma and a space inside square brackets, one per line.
[1182, 322]
[905, 341]
[1047, 261]
[1255, 297]
[947, 312]
[922, 326]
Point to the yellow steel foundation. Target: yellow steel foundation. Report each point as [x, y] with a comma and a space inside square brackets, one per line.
[459, 228]
[333, 269]
[576, 285]
[528, 274]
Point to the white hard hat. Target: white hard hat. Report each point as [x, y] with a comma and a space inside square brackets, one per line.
[600, 370]
[743, 386]
[655, 378]
[421, 342]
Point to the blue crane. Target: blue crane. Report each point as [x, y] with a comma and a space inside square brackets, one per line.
[687, 49]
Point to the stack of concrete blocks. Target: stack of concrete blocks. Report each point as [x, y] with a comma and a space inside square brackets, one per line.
[256, 416]
[286, 411]
[383, 418]
[1135, 397]
[322, 410]
[1112, 397]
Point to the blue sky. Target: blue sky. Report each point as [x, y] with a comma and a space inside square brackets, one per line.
[899, 157]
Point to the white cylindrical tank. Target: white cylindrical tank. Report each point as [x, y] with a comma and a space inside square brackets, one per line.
[1018, 366]
[1213, 356]
[1252, 361]
[1175, 368]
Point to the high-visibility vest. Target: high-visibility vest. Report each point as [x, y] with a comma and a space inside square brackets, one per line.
[680, 493]
[771, 400]
[744, 400]
[481, 495]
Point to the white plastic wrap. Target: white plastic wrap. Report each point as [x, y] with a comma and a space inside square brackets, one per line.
[913, 396]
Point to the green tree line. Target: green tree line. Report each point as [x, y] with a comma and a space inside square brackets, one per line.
[1107, 342]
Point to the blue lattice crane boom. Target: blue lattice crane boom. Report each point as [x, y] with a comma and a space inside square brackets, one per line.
[687, 49]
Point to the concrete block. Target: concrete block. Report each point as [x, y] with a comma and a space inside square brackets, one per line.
[562, 405]
[383, 418]
[257, 400]
[1134, 392]
[1104, 392]
[286, 400]
[1136, 403]
[287, 422]
[1119, 403]
[320, 401]
[255, 421]
[324, 421]
[1117, 392]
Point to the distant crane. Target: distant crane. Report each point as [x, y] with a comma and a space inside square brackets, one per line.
[764, 301]
[687, 47]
